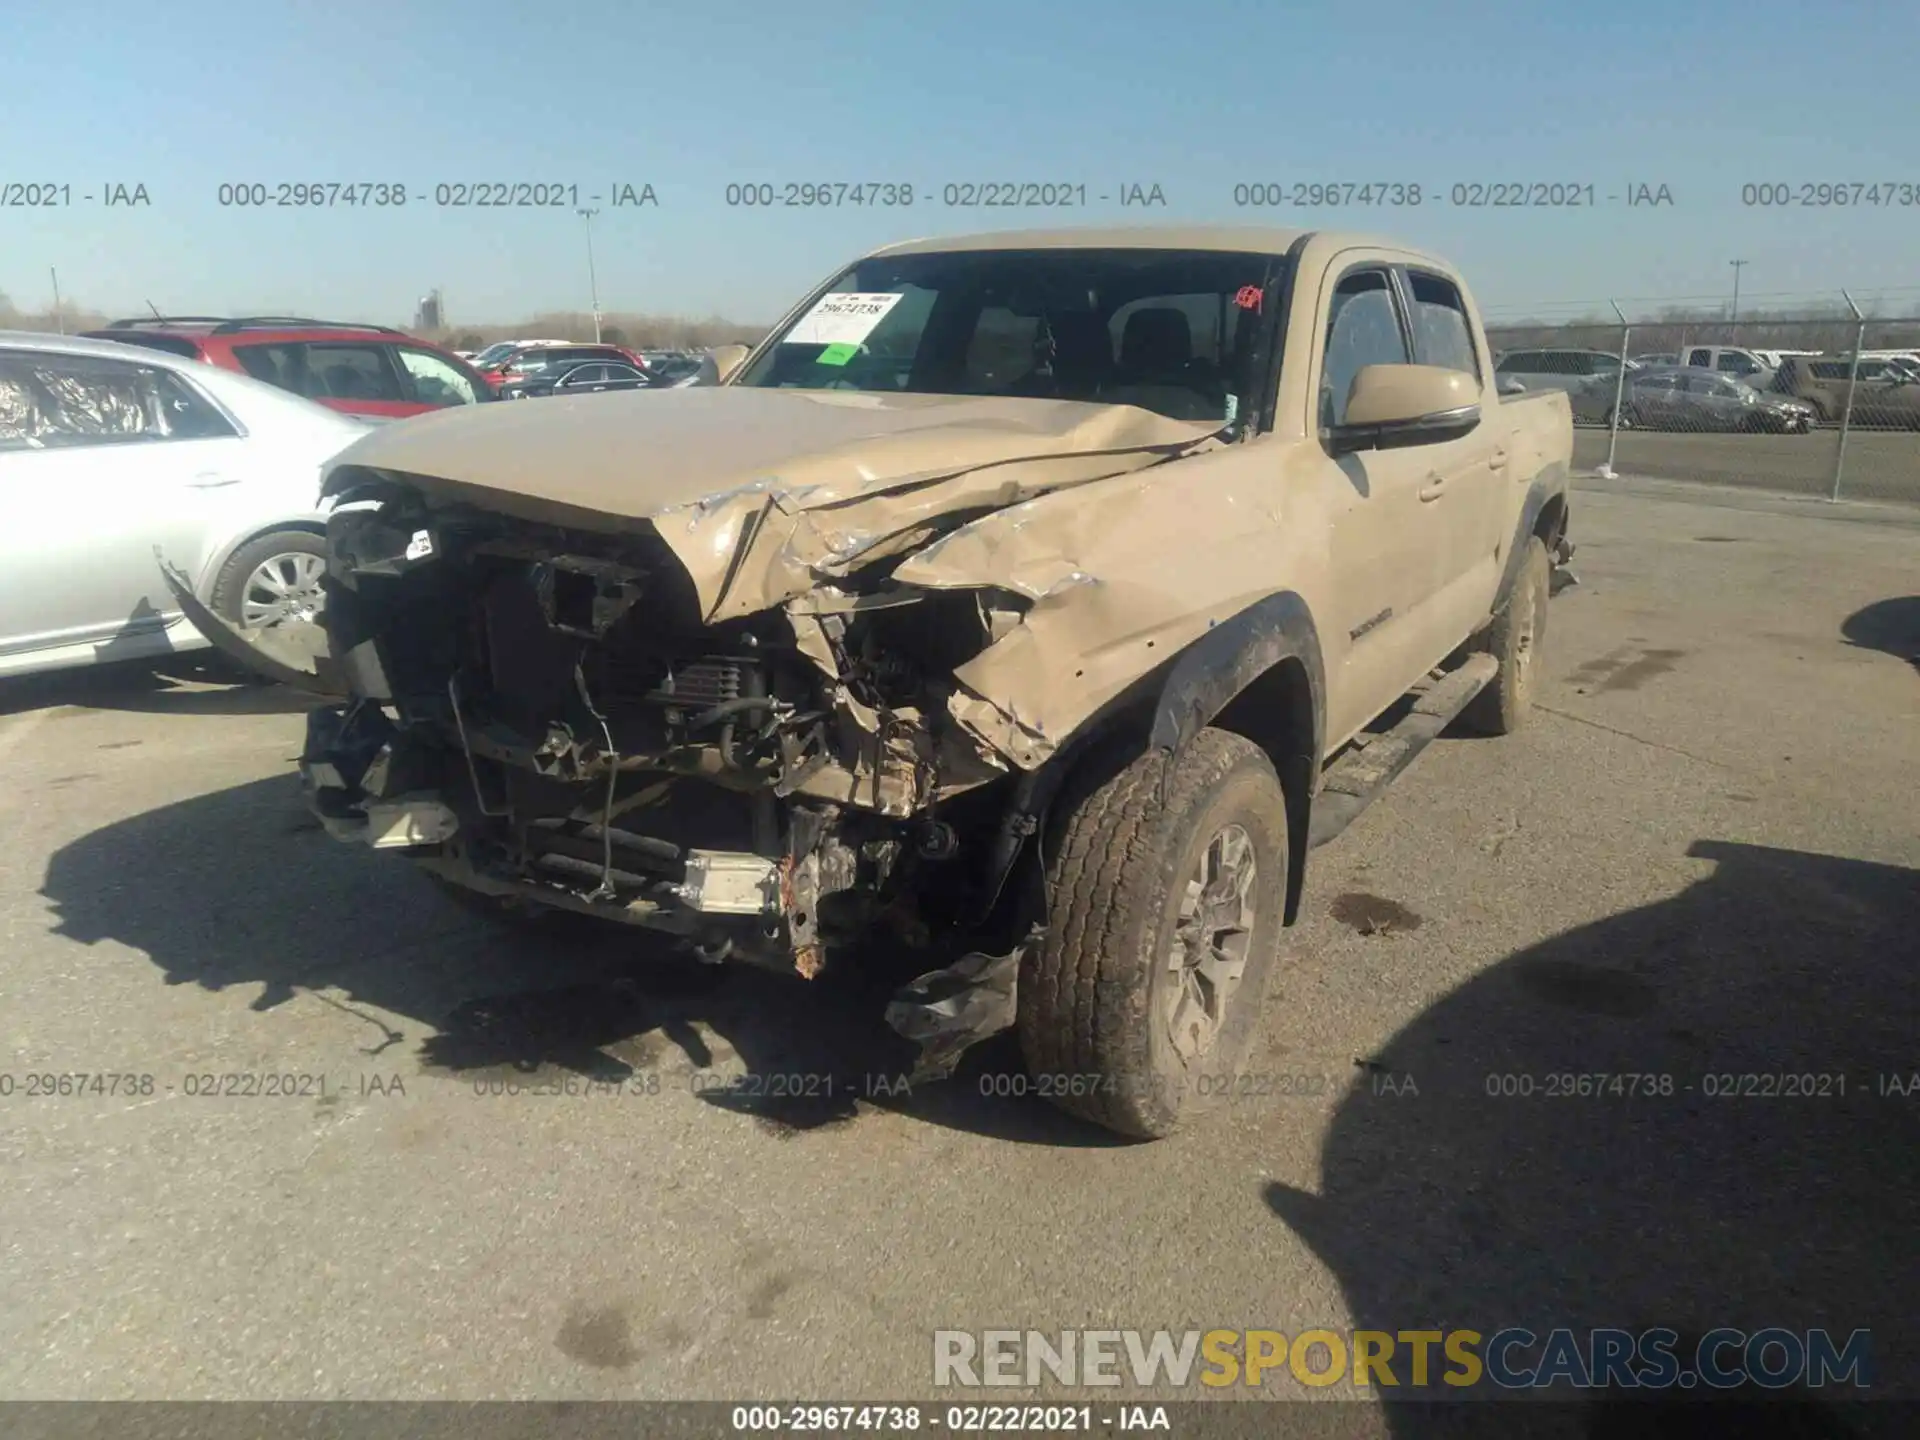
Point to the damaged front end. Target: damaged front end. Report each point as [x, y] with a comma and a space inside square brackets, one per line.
[542, 715]
[759, 715]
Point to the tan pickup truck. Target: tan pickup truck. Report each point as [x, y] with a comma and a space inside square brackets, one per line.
[1026, 604]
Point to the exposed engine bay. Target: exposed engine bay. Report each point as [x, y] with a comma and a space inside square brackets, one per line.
[540, 714]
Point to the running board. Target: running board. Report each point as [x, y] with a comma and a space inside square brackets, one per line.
[1355, 781]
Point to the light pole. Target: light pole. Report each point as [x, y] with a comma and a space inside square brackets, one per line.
[1733, 324]
[593, 283]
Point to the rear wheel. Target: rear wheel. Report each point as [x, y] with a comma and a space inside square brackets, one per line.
[1514, 640]
[1166, 895]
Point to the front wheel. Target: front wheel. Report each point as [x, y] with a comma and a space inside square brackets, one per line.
[1628, 419]
[1166, 894]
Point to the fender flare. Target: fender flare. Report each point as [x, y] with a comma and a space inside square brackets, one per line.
[1550, 484]
[1218, 667]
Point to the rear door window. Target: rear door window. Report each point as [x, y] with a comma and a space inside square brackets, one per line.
[350, 372]
[50, 401]
[275, 364]
[1441, 333]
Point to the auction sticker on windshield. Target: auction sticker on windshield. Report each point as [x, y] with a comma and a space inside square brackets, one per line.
[842, 318]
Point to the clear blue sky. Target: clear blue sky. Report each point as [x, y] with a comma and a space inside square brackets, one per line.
[690, 96]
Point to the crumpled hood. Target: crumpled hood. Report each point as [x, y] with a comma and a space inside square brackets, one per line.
[805, 483]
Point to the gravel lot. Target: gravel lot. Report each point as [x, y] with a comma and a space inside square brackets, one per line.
[1699, 861]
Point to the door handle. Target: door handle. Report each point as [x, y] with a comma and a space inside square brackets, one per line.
[1497, 460]
[1435, 487]
[212, 480]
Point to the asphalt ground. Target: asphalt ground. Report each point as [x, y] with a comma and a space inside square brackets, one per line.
[1880, 465]
[1697, 862]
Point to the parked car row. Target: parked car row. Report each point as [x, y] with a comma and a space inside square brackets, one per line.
[539, 362]
[1720, 387]
[574, 378]
[201, 438]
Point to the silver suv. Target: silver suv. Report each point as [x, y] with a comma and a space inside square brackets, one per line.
[1590, 378]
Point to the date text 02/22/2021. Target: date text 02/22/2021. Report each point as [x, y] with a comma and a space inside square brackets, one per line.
[1464, 195]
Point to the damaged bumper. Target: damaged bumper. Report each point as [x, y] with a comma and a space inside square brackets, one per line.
[725, 720]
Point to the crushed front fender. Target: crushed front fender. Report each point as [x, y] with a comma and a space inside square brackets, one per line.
[298, 654]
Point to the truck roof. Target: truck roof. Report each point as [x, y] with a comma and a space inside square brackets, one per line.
[1254, 239]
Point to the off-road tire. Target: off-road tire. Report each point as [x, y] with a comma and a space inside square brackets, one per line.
[228, 590]
[1092, 997]
[1514, 639]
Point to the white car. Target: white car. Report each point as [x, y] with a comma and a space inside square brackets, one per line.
[112, 456]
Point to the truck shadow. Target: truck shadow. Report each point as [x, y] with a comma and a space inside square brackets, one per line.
[1891, 625]
[241, 890]
[197, 683]
[1731, 1201]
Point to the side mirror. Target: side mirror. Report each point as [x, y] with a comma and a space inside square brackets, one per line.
[1511, 386]
[1390, 406]
[727, 359]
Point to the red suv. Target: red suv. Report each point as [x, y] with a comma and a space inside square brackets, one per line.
[372, 371]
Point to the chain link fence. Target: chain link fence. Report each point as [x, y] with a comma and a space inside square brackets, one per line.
[1823, 405]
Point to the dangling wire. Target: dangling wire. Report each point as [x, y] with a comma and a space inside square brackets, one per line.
[605, 890]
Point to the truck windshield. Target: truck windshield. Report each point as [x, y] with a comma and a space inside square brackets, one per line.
[1172, 331]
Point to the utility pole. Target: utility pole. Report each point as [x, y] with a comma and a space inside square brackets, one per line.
[593, 283]
[59, 320]
[1733, 325]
